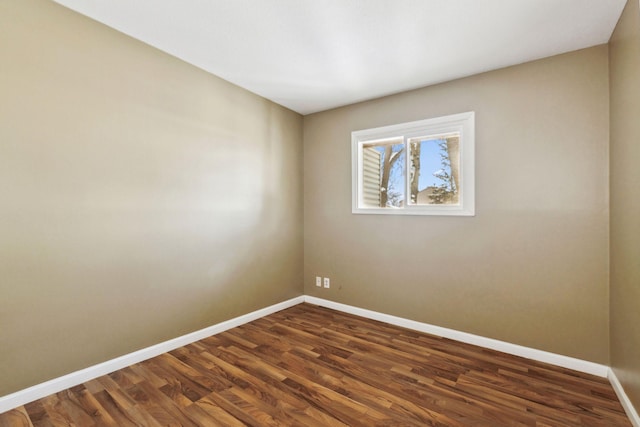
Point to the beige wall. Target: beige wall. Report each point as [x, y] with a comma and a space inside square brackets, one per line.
[531, 267]
[140, 198]
[625, 200]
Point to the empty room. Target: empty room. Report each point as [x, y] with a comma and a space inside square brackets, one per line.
[320, 213]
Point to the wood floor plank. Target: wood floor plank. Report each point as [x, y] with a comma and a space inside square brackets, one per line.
[37, 413]
[278, 391]
[90, 404]
[123, 417]
[17, 417]
[312, 366]
[156, 408]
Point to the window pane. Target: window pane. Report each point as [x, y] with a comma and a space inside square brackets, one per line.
[383, 174]
[434, 170]
[425, 167]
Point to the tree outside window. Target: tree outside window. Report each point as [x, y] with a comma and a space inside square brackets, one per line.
[421, 167]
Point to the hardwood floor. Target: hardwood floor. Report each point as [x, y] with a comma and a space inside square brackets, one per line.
[311, 366]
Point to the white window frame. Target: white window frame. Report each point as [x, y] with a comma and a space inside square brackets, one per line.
[464, 123]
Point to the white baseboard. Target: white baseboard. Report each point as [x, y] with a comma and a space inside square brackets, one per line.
[505, 347]
[55, 385]
[624, 399]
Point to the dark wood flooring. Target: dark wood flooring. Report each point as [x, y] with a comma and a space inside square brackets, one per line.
[311, 366]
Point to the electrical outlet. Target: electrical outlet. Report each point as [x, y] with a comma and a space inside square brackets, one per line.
[327, 282]
[318, 281]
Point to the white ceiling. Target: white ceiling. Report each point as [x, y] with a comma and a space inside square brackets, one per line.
[313, 55]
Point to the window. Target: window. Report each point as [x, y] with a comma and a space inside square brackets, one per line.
[418, 168]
